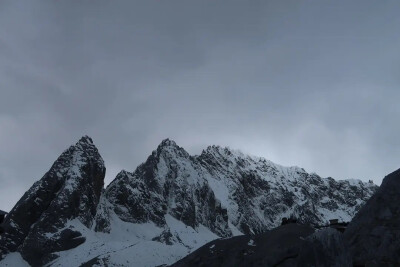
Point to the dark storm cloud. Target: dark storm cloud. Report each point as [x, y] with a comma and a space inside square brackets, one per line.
[308, 83]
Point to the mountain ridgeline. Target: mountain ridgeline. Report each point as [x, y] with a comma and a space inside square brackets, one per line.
[372, 239]
[168, 207]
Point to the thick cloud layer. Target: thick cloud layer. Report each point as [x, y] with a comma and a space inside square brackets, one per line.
[307, 83]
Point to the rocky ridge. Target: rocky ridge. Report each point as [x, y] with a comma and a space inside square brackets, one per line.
[171, 204]
[249, 194]
[371, 239]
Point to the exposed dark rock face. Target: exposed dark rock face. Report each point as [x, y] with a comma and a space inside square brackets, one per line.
[325, 247]
[69, 190]
[223, 185]
[2, 216]
[288, 245]
[374, 233]
[261, 193]
[168, 182]
[102, 219]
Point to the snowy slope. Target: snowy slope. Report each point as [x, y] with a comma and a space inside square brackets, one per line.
[169, 206]
[244, 193]
[131, 244]
[259, 193]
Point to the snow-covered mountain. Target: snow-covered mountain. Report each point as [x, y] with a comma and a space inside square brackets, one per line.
[38, 225]
[170, 205]
[371, 239]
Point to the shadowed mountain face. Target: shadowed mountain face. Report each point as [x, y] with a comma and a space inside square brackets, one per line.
[169, 182]
[372, 239]
[69, 190]
[374, 233]
[288, 245]
[171, 205]
[2, 216]
[224, 187]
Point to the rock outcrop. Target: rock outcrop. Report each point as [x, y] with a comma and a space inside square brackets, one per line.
[2, 216]
[169, 182]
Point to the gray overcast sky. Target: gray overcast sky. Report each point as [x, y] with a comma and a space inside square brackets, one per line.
[307, 83]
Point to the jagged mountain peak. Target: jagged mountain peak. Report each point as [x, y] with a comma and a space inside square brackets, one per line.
[223, 150]
[86, 144]
[82, 152]
[74, 162]
[38, 225]
[244, 185]
[228, 152]
[169, 149]
[173, 202]
[167, 142]
[86, 140]
[236, 160]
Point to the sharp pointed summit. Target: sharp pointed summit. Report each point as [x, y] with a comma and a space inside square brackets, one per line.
[170, 145]
[86, 139]
[168, 142]
[70, 190]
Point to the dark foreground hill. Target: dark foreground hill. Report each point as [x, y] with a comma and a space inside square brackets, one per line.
[287, 245]
[374, 233]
